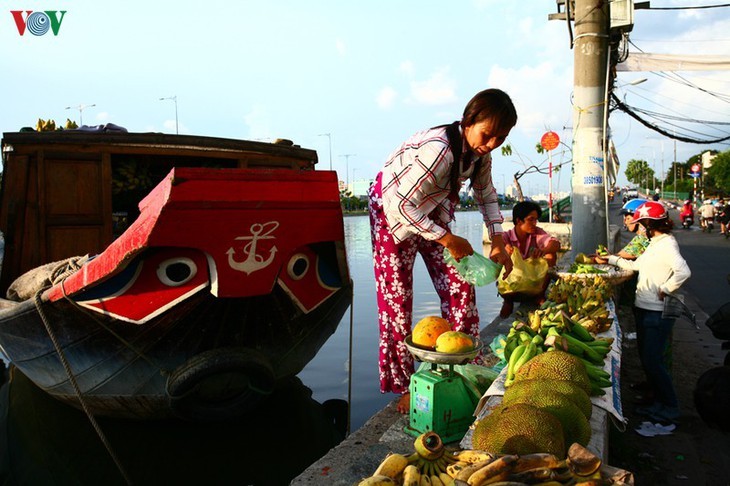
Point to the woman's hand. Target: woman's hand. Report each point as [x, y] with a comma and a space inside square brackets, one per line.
[458, 247]
[600, 260]
[500, 255]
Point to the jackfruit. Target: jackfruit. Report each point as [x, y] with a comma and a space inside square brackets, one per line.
[519, 429]
[576, 394]
[556, 365]
[576, 427]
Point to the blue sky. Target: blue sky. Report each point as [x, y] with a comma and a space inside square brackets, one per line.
[368, 73]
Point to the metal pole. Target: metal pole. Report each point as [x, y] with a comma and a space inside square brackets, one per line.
[550, 186]
[591, 55]
[347, 168]
[675, 168]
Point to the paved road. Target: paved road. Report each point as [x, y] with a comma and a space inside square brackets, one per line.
[694, 453]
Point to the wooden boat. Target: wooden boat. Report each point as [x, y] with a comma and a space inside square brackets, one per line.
[228, 276]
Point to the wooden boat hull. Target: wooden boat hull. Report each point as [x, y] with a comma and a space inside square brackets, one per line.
[143, 371]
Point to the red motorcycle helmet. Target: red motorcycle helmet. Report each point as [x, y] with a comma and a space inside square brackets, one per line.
[650, 210]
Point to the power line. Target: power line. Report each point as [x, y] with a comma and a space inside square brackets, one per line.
[629, 111]
[699, 7]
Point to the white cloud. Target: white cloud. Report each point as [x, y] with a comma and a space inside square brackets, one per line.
[102, 116]
[436, 90]
[340, 46]
[540, 93]
[386, 97]
[407, 68]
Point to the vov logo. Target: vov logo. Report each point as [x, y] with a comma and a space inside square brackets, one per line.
[38, 22]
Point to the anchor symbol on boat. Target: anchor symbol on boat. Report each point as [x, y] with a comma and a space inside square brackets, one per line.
[253, 260]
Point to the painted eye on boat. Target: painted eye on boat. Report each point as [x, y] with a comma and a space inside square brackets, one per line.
[176, 271]
[298, 266]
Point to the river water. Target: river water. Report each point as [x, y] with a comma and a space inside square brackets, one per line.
[327, 374]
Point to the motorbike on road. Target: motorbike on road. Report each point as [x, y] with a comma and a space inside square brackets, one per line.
[687, 221]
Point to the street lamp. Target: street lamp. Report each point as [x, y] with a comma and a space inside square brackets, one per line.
[329, 136]
[173, 98]
[347, 168]
[81, 109]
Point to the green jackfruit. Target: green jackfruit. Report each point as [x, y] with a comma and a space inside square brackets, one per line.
[556, 365]
[576, 427]
[576, 394]
[519, 429]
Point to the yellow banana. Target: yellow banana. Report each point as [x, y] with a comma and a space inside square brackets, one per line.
[465, 473]
[392, 466]
[411, 476]
[425, 480]
[446, 479]
[378, 481]
[471, 456]
[538, 459]
[496, 470]
[454, 469]
[429, 446]
[435, 481]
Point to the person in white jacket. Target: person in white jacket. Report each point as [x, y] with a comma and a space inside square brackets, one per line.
[662, 271]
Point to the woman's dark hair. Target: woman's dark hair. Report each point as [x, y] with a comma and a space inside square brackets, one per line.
[493, 104]
[663, 225]
[522, 209]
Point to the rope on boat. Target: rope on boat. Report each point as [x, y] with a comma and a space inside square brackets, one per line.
[74, 383]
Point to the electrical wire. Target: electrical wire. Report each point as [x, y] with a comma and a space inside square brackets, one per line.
[699, 7]
[629, 111]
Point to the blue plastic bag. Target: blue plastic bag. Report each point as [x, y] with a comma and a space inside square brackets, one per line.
[475, 269]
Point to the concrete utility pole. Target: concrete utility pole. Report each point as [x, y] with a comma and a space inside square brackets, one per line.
[591, 47]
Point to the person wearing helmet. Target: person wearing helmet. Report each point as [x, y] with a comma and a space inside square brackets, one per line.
[707, 215]
[661, 270]
[686, 211]
[638, 243]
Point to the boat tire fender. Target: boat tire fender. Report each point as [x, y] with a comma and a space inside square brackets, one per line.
[220, 384]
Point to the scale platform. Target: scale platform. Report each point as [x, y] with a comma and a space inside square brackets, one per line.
[442, 400]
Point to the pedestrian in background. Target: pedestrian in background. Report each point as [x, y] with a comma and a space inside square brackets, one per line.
[662, 271]
[411, 205]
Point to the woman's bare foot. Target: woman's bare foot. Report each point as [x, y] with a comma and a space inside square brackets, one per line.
[404, 404]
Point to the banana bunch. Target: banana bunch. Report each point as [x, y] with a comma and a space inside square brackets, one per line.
[554, 329]
[478, 468]
[425, 467]
[523, 346]
[70, 125]
[127, 175]
[45, 125]
[432, 465]
[585, 300]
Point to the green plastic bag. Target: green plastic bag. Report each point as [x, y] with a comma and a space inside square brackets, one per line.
[476, 268]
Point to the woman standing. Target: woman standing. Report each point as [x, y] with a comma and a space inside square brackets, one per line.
[411, 204]
[662, 270]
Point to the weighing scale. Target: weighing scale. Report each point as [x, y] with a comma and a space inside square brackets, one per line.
[442, 400]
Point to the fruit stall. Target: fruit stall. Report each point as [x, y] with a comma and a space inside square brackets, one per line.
[545, 417]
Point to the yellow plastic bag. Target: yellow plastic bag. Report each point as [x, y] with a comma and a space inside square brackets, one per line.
[527, 276]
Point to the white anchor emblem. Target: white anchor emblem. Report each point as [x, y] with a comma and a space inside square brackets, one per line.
[254, 261]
